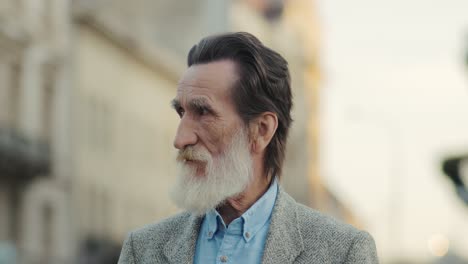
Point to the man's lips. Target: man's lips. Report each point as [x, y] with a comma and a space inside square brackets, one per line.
[199, 165]
[194, 162]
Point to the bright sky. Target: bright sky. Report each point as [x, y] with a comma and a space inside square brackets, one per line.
[395, 100]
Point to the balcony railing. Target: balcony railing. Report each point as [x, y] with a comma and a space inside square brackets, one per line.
[22, 158]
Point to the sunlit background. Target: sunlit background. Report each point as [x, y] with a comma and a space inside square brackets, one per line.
[86, 128]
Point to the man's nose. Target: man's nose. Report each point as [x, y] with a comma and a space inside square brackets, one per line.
[185, 135]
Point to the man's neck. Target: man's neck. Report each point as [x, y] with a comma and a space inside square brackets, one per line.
[236, 206]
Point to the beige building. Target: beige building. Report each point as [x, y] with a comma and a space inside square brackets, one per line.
[34, 125]
[86, 128]
[124, 159]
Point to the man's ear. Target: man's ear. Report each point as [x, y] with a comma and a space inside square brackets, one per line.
[262, 130]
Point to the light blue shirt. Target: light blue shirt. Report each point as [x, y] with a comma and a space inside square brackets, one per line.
[240, 242]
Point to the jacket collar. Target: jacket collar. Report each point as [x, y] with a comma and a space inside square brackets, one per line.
[284, 241]
[180, 248]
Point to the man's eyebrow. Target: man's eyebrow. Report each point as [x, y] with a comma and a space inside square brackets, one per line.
[175, 104]
[197, 103]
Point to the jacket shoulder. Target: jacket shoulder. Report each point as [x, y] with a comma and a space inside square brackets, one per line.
[146, 244]
[161, 230]
[323, 225]
[331, 236]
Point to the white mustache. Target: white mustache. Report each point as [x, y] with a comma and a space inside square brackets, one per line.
[190, 153]
[225, 176]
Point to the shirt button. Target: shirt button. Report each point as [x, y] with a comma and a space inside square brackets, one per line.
[210, 234]
[223, 259]
[247, 234]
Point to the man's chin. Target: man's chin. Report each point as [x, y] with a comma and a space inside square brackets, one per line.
[194, 170]
[199, 209]
[197, 201]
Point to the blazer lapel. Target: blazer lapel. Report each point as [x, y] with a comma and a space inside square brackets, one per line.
[284, 241]
[180, 248]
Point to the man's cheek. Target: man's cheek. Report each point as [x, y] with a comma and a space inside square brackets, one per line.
[214, 136]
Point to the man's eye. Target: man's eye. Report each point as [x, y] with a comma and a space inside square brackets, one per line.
[202, 111]
[180, 112]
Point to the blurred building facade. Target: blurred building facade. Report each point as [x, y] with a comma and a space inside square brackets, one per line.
[123, 143]
[34, 139]
[86, 128]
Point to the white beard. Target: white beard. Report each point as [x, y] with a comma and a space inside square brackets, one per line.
[225, 177]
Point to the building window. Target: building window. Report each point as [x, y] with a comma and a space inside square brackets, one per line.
[47, 222]
[15, 81]
[47, 17]
[97, 124]
[18, 6]
[47, 100]
[4, 93]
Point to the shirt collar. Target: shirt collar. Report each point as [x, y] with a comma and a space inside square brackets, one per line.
[214, 222]
[259, 213]
[252, 220]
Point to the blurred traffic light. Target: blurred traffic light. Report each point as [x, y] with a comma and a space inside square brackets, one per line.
[452, 167]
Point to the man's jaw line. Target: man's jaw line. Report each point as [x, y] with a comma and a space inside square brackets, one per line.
[199, 165]
[234, 202]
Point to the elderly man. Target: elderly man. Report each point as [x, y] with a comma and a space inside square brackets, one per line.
[234, 103]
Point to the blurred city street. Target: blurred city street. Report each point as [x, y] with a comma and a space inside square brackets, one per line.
[379, 137]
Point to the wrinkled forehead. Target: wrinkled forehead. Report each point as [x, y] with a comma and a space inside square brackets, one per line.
[213, 80]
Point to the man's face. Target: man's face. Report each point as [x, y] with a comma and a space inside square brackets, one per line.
[214, 159]
[208, 117]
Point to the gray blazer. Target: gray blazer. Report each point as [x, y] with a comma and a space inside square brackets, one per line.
[297, 234]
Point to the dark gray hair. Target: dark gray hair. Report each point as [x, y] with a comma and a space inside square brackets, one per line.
[264, 84]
